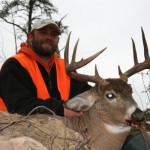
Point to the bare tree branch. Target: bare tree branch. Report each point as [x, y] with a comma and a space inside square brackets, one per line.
[15, 25]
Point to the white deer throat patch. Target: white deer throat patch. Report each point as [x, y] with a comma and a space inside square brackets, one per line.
[117, 128]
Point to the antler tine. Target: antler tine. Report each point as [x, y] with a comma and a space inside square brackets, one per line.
[72, 64]
[74, 52]
[76, 65]
[122, 76]
[137, 66]
[146, 54]
[66, 53]
[96, 71]
[119, 70]
[99, 79]
[71, 68]
[134, 53]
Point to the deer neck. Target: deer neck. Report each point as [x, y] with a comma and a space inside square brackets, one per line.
[100, 135]
[109, 137]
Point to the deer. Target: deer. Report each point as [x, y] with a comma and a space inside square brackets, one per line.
[110, 110]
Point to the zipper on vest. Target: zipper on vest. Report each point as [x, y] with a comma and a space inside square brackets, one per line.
[50, 82]
[51, 87]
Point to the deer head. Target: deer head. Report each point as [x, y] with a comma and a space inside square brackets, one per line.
[113, 95]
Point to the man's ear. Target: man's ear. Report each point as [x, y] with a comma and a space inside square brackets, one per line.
[30, 36]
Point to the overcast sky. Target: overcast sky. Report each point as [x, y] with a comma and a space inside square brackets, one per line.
[111, 24]
[104, 23]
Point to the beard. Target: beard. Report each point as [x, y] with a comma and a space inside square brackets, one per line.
[44, 48]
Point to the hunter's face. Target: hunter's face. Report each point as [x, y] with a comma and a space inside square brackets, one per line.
[44, 41]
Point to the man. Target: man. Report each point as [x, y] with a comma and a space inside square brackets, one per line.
[36, 77]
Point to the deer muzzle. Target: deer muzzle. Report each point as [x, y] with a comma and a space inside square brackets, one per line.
[137, 118]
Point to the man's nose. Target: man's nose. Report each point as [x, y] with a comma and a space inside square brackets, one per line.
[49, 35]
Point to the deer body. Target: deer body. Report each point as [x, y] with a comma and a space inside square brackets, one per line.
[104, 125]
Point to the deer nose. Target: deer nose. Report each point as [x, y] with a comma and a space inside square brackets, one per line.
[138, 115]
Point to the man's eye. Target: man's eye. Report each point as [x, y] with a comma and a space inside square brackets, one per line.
[54, 33]
[110, 96]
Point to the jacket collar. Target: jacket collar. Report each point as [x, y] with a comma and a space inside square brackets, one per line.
[26, 49]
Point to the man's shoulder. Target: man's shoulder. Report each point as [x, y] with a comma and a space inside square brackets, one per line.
[10, 63]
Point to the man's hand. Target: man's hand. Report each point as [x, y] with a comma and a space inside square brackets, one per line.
[71, 113]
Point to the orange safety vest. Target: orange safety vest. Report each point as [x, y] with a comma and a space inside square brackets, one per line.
[63, 80]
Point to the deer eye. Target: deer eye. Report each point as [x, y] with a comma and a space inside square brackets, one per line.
[110, 96]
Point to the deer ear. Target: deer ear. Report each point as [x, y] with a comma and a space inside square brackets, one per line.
[80, 103]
